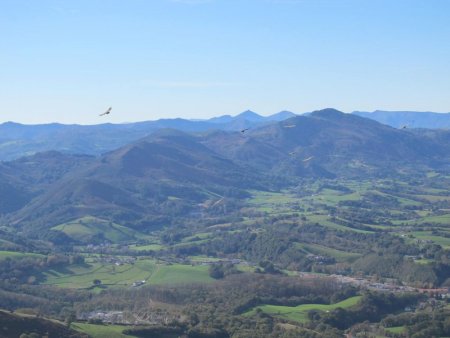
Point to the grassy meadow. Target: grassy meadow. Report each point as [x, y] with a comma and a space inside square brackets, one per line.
[300, 313]
[82, 276]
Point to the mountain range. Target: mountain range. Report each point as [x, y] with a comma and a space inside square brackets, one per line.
[18, 140]
[409, 119]
[174, 172]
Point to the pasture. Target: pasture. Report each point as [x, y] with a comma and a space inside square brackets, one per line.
[300, 313]
[101, 331]
[87, 228]
[111, 275]
[339, 255]
[14, 254]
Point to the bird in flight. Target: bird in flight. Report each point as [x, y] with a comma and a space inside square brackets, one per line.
[106, 112]
[308, 159]
[244, 130]
[289, 126]
[408, 125]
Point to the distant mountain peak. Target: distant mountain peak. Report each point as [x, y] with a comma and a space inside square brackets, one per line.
[221, 119]
[250, 115]
[10, 123]
[282, 115]
[328, 113]
[410, 119]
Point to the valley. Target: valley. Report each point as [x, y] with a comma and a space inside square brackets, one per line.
[225, 235]
[224, 169]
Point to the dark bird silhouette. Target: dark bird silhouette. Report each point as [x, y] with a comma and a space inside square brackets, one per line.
[106, 112]
[408, 125]
[244, 130]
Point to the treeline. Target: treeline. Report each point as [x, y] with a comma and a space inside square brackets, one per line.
[216, 310]
[406, 270]
[41, 300]
[12, 325]
[231, 293]
[277, 240]
[29, 269]
[421, 325]
[372, 307]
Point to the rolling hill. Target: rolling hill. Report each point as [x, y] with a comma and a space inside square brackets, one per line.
[410, 119]
[329, 143]
[137, 185]
[147, 184]
[17, 140]
[13, 325]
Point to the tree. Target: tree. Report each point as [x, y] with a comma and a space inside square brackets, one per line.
[216, 271]
[70, 319]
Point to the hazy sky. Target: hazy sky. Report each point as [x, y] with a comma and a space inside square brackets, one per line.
[68, 61]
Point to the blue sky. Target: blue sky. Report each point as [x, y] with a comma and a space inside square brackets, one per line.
[67, 61]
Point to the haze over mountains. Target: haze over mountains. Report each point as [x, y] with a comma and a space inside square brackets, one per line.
[178, 171]
[410, 119]
[18, 140]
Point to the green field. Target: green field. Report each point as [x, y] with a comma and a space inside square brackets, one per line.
[272, 202]
[300, 313]
[329, 196]
[84, 229]
[271, 198]
[200, 258]
[427, 236]
[395, 329]
[101, 331]
[434, 198]
[438, 219]
[153, 247]
[324, 221]
[423, 261]
[442, 220]
[197, 237]
[82, 276]
[177, 274]
[14, 254]
[339, 255]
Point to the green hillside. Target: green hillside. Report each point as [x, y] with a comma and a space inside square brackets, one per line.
[300, 313]
[87, 228]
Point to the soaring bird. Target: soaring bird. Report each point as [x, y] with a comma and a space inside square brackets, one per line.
[106, 112]
[289, 126]
[408, 125]
[308, 159]
[244, 130]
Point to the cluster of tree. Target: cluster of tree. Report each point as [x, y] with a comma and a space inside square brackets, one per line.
[29, 269]
[372, 307]
[42, 300]
[217, 308]
[220, 270]
[12, 325]
[421, 325]
[396, 266]
[14, 241]
[382, 253]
